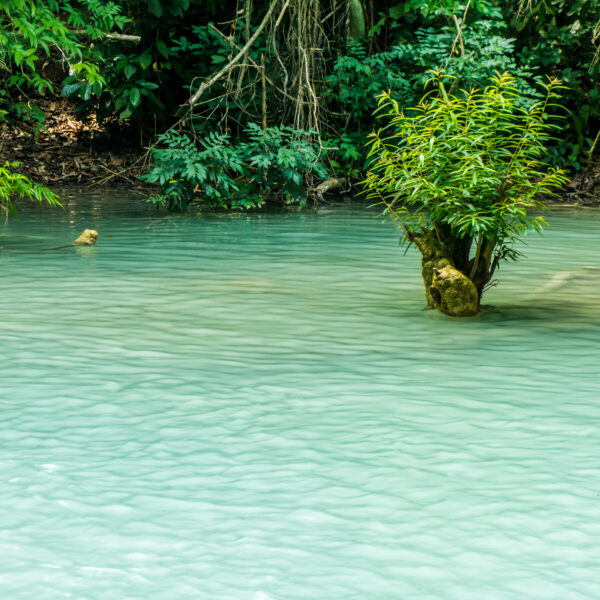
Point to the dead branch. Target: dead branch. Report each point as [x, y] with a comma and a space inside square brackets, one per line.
[459, 27]
[120, 37]
[207, 84]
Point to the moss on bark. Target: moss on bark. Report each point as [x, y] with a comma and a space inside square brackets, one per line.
[453, 282]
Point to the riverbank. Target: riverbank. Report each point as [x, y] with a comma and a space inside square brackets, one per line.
[69, 150]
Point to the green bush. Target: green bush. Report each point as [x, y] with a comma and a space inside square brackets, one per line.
[274, 164]
[554, 36]
[183, 168]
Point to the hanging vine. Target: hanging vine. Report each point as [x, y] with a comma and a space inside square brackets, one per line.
[294, 38]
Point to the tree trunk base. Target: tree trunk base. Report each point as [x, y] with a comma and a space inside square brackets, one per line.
[453, 293]
[447, 288]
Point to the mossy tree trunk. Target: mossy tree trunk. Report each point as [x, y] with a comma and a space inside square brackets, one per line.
[453, 282]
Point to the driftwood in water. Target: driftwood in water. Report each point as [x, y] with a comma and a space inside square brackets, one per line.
[333, 183]
[88, 237]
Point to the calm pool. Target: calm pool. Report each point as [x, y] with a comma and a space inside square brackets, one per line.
[256, 407]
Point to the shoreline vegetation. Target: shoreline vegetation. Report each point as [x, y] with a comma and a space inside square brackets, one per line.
[245, 104]
[77, 153]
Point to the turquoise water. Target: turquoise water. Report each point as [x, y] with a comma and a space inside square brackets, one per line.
[256, 407]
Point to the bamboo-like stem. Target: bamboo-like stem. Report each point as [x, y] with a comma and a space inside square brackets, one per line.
[247, 10]
[459, 29]
[593, 147]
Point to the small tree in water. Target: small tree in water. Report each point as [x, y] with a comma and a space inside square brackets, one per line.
[460, 174]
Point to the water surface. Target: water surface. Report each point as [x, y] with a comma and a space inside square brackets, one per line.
[257, 407]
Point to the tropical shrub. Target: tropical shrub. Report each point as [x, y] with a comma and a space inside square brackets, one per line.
[183, 168]
[275, 163]
[461, 173]
[280, 162]
[125, 86]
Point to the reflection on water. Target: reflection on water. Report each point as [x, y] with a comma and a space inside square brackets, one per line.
[257, 407]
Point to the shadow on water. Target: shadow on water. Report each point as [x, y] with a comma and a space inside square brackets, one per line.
[547, 313]
[567, 297]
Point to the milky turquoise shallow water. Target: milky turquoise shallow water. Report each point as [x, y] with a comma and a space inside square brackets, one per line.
[255, 407]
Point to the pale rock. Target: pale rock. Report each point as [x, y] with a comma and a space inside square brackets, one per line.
[87, 238]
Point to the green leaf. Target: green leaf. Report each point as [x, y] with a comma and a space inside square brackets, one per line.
[134, 96]
[127, 112]
[154, 6]
[162, 48]
[70, 89]
[145, 60]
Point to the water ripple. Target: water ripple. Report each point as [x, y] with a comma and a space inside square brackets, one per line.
[256, 407]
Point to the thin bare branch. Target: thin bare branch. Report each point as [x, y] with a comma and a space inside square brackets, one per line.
[459, 27]
[119, 37]
[207, 84]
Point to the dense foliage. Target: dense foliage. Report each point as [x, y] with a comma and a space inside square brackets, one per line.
[35, 34]
[277, 160]
[208, 68]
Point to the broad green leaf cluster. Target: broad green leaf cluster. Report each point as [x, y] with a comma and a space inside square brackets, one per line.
[33, 33]
[274, 162]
